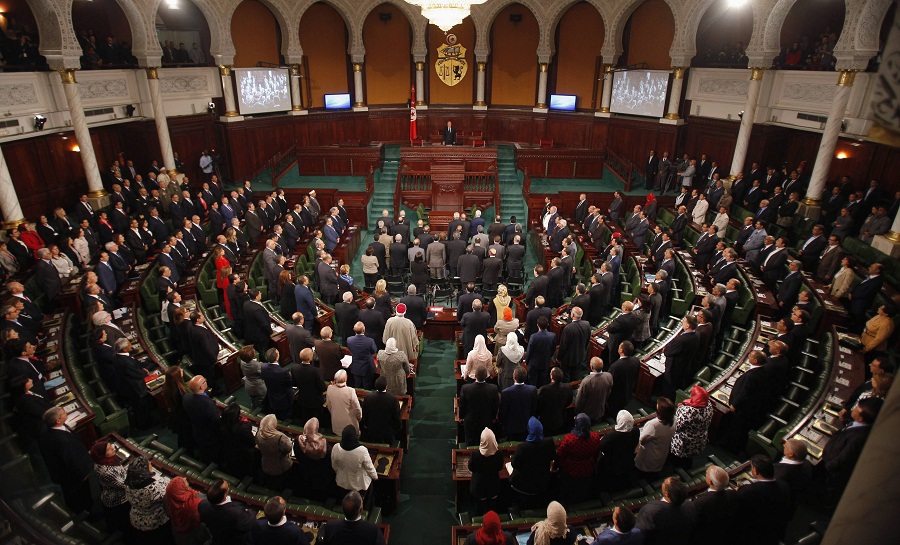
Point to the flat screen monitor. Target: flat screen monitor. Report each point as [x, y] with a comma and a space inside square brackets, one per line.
[564, 103]
[263, 90]
[337, 102]
[640, 92]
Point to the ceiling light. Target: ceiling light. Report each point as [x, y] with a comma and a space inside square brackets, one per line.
[445, 14]
[737, 3]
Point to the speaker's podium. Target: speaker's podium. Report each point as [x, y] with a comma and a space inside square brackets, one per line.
[448, 179]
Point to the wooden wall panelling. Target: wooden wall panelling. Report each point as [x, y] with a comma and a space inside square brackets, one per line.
[389, 125]
[190, 136]
[570, 130]
[716, 138]
[58, 174]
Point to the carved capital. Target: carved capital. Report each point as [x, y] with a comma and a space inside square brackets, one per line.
[224, 70]
[295, 70]
[357, 67]
[678, 72]
[152, 72]
[846, 78]
[544, 67]
[756, 74]
[67, 75]
[420, 67]
[482, 66]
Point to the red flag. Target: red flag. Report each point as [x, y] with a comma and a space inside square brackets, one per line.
[413, 132]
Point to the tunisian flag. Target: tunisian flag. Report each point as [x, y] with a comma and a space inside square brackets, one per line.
[413, 132]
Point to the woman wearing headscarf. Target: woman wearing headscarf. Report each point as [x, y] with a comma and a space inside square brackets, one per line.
[181, 505]
[531, 466]
[656, 440]
[145, 490]
[480, 356]
[650, 206]
[490, 533]
[576, 459]
[501, 301]
[395, 367]
[112, 476]
[553, 530]
[508, 359]
[505, 325]
[485, 465]
[642, 311]
[352, 462]
[616, 467]
[692, 419]
[275, 448]
[314, 474]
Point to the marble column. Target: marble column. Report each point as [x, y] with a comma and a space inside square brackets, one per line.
[829, 141]
[358, 85]
[228, 91]
[607, 89]
[542, 86]
[888, 243]
[9, 200]
[82, 134]
[162, 124]
[675, 97]
[296, 96]
[479, 86]
[420, 84]
[743, 138]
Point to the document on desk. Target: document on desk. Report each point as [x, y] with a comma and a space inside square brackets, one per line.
[656, 366]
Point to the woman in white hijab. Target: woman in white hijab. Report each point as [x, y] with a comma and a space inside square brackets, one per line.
[616, 467]
[508, 358]
[485, 465]
[394, 367]
[553, 530]
[480, 356]
[275, 448]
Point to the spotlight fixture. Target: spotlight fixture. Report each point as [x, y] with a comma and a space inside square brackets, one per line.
[39, 122]
[211, 108]
[129, 110]
[515, 18]
[385, 16]
[741, 114]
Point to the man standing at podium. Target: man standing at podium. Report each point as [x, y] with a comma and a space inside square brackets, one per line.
[449, 134]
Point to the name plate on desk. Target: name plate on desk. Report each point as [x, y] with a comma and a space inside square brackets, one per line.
[811, 447]
[656, 367]
[721, 396]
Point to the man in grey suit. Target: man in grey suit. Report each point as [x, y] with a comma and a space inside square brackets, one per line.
[830, 260]
[271, 266]
[633, 219]
[755, 242]
[298, 337]
[593, 392]
[687, 175]
[615, 208]
[254, 223]
[877, 223]
[638, 233]
[327, 280]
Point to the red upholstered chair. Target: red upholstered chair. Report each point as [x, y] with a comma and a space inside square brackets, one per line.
[546, 143]
[478, 143]
[477, 134]
[417, 142]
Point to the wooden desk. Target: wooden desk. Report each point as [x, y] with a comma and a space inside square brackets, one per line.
[442, 326]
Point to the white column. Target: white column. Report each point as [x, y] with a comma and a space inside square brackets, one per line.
[480, 104]
[888, 243]
[228, 92]
[82, 134]
[607, 91]
[162, 124]
[542, 87]
[9, 200]
[829, 138]
[358, 85]
[420, 85]
[296, 99]
[743, 138]
[675, 97]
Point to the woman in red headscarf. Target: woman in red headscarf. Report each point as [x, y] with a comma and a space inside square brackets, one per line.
[181, 504]
[650, 206]
[490, 533]
[692, 420]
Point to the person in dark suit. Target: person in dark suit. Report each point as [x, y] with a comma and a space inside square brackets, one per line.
[533, 315]
[539, 285]
[556, 280]
[67, 460]
[624, 373]
[46, 275]
[795, 470]
[416, 309]
[448, 135]
[716, 509]
[204, 347]
[298, 336]
[374, 321]
[229, 522]
[466, 300]
[362, 352]
[257, 323]
[706, 246]
[518, 403]
[842, 451]
[652, 170]
[204, 418]
[329, 354]
[553, 399]
[763, 500]
[279, 387]
[22, 363]
[621, 329]
[573, 345]
[670, 520]
[680, 353]
[310, 387]
[750, 399]
[772, 265]
[862, 297]
[468, 267]
[381, 415]
[275, 529]
[130, 375]
[352, 530]
[346, 314]
[478, 405]
[306, 303]
[541, 346]
[789, 289]
[399, 255]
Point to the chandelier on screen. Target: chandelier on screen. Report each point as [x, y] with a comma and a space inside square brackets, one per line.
[445, 14]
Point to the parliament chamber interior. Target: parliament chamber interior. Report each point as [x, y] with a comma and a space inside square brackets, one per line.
[456, 272]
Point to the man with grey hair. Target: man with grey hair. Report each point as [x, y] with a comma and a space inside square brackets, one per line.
[398, 255]
[67, 460]
[573, 345]
[352, 529]
[47, 276]
[346, 314]
[716, 508]
[131, 386]
[416, 310]
[593, 392]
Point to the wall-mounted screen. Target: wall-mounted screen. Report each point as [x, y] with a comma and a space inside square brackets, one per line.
[263, 90]
[337, 102]
[640, 92]
[565, 103]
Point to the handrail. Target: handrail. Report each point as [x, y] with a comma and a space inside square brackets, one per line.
[622, 168]
[278, 165]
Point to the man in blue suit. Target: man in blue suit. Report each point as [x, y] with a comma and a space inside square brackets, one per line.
[476, 221]
[226, 210]
[362, 351]
[517, 404]
[862, 296]
[540, 348]
[331, 235]
[106, 276]
[165, 259]
[306, 303]
[279, 387]
[204, 417]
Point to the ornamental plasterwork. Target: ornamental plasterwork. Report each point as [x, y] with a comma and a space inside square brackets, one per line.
[724, 87]
[18, 94]
[808, 92]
